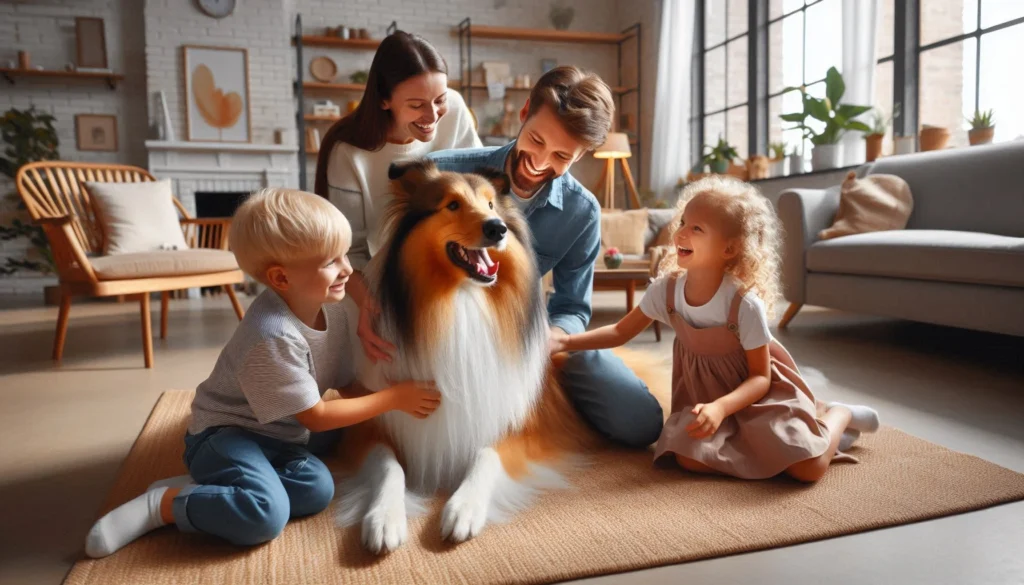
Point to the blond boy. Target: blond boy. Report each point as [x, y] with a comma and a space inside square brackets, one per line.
[248, 450]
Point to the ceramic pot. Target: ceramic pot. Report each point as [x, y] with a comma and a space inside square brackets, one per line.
[719, 166]
[933, 138]
[873, 146]
[981, 135]
[613, 261]
[826, 156]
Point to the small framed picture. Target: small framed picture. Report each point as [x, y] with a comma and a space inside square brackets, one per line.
[547, 65]
[96, 132]
[91, 43]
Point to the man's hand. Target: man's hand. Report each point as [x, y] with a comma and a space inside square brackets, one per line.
[376, 348]
[416, 398]
[708, 418]
[558, 340]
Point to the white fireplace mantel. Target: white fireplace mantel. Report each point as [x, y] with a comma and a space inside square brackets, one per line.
[221, 166]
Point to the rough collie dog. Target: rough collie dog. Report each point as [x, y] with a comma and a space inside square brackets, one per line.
[460, 295]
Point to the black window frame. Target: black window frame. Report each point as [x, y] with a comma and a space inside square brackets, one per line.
[906, 58]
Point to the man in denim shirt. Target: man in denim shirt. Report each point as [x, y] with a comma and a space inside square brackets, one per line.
[569, 114]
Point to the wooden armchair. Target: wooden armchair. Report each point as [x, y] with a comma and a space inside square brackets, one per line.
[57, 200]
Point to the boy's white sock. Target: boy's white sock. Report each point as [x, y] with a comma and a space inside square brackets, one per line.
[849, 437]
[863, 419]
[178, 481]
[125, 523]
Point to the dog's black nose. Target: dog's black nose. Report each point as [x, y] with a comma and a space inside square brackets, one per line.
[494, 230]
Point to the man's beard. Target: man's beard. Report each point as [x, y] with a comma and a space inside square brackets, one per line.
[524, 182]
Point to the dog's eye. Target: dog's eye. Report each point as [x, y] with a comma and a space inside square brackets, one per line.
[491, 204]
[453, 206]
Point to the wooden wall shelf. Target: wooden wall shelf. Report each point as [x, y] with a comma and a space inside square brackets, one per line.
[340, 43]
[317, 85]
[456, 84]
[314, 118]
[541, 34]
[11, 74]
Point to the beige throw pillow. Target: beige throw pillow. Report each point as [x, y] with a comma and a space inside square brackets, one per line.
[624, 230]
[136, 217]
[872, 204]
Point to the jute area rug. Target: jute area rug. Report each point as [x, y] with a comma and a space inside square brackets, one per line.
[622, 514]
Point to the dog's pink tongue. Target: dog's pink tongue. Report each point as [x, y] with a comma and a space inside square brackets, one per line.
[490, 267]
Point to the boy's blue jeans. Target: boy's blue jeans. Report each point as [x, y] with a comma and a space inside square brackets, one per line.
[250, 485]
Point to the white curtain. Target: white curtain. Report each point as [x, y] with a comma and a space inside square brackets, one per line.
[670, 146]
[860, 24]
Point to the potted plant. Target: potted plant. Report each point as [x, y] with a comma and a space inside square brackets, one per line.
[612, 258]
[795, 162]
[933, 137]
[879, 126]
[983, 127]
[837, 118]
[719, 157]
[28, 136]
[777, 160]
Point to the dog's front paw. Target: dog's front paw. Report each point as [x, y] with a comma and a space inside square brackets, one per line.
[464, 515]
[385, 527]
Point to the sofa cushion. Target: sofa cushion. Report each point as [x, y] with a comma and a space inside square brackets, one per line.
[624, 230]
[875, 203]
[659, 221]
[942, 255]
[163, 263]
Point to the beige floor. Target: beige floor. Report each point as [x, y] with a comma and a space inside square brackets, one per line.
[65, 430]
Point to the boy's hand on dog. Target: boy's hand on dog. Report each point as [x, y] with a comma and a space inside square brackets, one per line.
[416, 398]
[376, 347]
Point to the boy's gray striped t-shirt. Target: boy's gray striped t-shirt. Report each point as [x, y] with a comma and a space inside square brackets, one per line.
[273, 367]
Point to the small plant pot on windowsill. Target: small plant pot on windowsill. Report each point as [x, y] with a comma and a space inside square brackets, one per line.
[873, 146]
[719, 166]
[981, 135]
[933, 138]
[826, 156]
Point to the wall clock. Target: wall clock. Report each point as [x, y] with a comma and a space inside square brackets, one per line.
[217, 8]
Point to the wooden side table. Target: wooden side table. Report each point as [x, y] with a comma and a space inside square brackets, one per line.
[624, 279]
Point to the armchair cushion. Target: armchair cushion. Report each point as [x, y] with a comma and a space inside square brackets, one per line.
[136, 217]
[163, 263]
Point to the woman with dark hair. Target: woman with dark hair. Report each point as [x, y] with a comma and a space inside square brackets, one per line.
[407, 111]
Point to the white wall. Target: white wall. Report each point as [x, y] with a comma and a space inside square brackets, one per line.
[46, 29]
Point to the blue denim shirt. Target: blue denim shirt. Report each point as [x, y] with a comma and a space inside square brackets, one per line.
[565, 219]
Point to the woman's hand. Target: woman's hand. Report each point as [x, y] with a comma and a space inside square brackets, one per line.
[708, 417]
[376, 348]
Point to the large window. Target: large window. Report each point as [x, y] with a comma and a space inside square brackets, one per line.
[939, 61]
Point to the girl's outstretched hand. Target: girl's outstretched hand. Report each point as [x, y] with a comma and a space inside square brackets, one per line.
[708, 417]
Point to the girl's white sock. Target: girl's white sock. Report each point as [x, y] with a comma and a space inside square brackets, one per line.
[863, 419]
[125, 523]
[849, 437]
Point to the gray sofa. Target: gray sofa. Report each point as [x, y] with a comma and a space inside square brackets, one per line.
[959, 262]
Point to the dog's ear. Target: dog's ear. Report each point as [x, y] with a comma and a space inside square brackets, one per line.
[498, 179]
[410, 174]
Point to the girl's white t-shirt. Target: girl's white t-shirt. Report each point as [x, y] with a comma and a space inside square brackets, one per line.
[752, 317]
[358, 183]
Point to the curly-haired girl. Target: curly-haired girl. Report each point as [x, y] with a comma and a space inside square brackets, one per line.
[739, 404]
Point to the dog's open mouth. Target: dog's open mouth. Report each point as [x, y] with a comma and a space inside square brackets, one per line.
[477, 263]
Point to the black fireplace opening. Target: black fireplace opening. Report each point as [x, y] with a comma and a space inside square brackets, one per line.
[219, 203]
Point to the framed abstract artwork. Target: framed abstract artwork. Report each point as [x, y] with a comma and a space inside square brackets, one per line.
[217, 105]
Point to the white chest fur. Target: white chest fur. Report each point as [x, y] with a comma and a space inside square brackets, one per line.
[486, 391]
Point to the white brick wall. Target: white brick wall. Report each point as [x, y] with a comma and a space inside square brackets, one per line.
[46, 29]
[258, 25]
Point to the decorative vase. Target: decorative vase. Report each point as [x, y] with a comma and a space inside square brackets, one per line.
[24, 60]
[873, 146]
[933, 138]
[826, 156]
[719, 166]
[981, 135]
[796, 164]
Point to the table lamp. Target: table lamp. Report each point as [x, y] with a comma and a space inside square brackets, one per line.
[616, 147]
